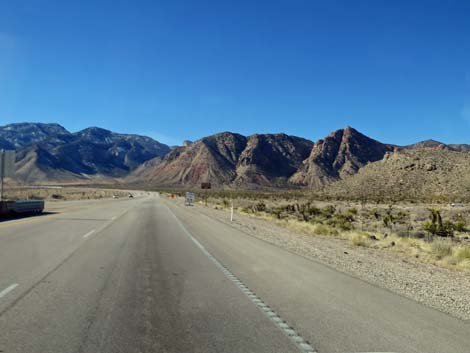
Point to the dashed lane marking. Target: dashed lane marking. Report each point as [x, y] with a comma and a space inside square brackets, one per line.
[8, 289]
[290, 332]
[89, 233]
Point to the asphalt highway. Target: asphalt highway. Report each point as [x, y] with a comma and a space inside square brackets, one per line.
[148, 275]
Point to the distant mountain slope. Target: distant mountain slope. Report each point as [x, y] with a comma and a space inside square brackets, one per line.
[211, 158]
[338, 155]
[460, 147]
[410, 174]
[270, 159]
[35, 164]
[4, 144]
[48, 152]
[227, 158]
[23, 134]
[103, 150]
[427, 144]
[436, 145]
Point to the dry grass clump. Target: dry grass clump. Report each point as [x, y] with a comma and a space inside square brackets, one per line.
[441, 249]
[325, 230]
[464, 265]
[359, 240]
[462, 253]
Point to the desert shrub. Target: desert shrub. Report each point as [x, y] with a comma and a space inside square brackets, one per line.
[402, 217]
[359, 240]
[446, 230]
[277, 212]
[429, 227]
[459, 223]
[259, 207]
[462, 253]
[328, 211]
[460, 226]
[345, 226]
[342, 221]
[352, 211]
[314, 211]
[441, 249]
[322, 229]
[464, 265]
[375, 212]
[388, 221]
[246, 210]
[436, 226]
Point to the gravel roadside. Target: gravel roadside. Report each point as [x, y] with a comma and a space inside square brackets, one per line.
[442, 289]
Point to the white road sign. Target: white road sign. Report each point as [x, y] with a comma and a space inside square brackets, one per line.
[189, 199]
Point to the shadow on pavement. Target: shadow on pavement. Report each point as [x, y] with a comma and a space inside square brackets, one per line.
[4, 218]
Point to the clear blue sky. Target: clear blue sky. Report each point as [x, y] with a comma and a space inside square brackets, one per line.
[397, 70]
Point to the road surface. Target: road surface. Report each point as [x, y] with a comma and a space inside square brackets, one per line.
[147, 275]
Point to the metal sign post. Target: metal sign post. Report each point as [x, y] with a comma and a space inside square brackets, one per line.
[7, 167]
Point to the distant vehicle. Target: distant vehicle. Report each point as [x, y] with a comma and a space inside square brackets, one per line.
[115, 196]
[457, 204]
[130, 195]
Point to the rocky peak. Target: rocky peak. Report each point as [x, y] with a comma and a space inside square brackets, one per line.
[339, 154]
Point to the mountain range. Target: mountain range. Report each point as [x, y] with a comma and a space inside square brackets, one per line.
[48, 152]
[344, 158]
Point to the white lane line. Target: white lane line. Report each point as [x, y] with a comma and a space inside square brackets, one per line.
[298, 340]
[107, 224]
[89, 233]
[8, 290]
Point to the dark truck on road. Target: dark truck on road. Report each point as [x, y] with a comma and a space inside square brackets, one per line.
[20, 207]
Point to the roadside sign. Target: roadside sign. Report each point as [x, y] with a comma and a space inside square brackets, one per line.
[205, 185]
[189, 199]
[7, 163]
[7, 167]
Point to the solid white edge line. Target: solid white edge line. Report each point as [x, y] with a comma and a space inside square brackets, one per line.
[8, 290]
[294, 337]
